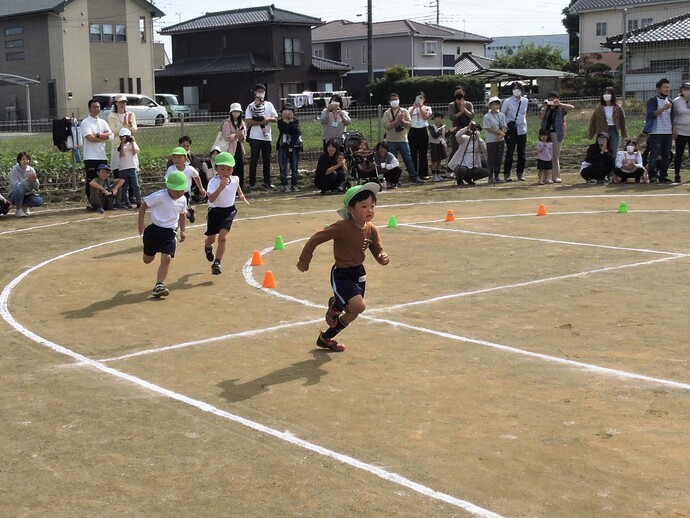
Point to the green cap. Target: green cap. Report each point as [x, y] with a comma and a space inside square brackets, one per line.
[179, 151]
[350, 193]
[176, 181]
[225, 158]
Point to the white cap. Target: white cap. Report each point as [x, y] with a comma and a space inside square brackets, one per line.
[124, 132]
[120, 97]
[494, 99]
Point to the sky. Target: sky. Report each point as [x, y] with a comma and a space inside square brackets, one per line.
[489, 18]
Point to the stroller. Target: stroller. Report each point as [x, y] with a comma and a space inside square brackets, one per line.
[361, 167]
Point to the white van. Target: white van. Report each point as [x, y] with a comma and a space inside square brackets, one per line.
[147, 111]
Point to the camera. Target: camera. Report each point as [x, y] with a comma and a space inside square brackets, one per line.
[399, 127]
[549, 103]
[473, 126]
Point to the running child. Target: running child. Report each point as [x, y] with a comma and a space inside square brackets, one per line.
[222, 189]
[544, 157]
[168, 208]
[179, 158]
[351, 237]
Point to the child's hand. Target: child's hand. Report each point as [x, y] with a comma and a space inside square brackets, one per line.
[383, 258]
[302, 266]
[183, 236]
[225, 181]
[202, 192]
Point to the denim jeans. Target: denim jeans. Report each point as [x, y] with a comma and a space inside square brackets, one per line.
[20, 198]
[288, 156]
[131, 180]
[659, 148]
[614, 140]
[404, 149]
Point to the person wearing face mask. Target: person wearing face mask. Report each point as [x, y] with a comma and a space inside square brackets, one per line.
[515, 110]
[333, 120]
[397, 122]
[418, 135]
[259, 116]
[629, 163]
[460, 113]
[552, 116]
[609, 117]
[599, 163]
[681, 126]
[659, 127]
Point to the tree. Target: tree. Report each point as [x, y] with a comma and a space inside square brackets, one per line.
[593, 77]
[571, 22]
[531, 56]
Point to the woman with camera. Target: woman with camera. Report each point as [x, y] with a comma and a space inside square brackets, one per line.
[418, 135]
[397, 122]
[468, 162]
[333, 120]
[552, 116]
[119, 118]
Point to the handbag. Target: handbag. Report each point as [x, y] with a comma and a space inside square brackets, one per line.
[220, 142]
[512, 125]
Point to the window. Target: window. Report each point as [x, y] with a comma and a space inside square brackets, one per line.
[122, 84]
[293, 52]
[120, 33]
[130, 86]
[95, 32]
[646, 21]
[364, 54]
[318, 53]
[348, 53]
[142, 28]
[139, 85]
[633, 25]
[108, 35]
[14, 31]
[429, 48]
[14, 44]
[601, 29]
[14, 56]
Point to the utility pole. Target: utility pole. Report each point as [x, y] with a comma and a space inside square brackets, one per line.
[370, 43]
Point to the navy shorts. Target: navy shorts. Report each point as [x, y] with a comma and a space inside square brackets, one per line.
[348, 283]
[219, 218]
[158, 239]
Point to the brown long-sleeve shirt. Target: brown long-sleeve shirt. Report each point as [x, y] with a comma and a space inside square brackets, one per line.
[349, 243]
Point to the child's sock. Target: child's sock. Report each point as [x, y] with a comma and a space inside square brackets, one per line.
[332, 331]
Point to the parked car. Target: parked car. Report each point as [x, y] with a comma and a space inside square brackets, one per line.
[147, 111]
[172, 106]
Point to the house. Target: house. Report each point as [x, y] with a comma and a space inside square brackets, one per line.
[425, 49]
[217, 58]
[600, 19]
[655, 51]
[75, 48]
[510, 44]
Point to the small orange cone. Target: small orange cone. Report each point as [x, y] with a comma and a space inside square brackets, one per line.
[450, 216]
[541, 211]
[269, 280]
[256, 258]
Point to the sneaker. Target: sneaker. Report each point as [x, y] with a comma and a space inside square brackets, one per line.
[557, 180]
[190, 215]
[497, 180]
[27, 211]
[507, 179]
[90, 208]
[332, 313]
[417, 181]
[286, 188]
[294, 188]
[100, 209]
[209, 254]
[665, 179]
[269, 186]
[654, 179]
[329, 343]
[436, 178]
[677, 180]
[119, 206]
[450, 175]
[521, 178]
[160, 291]
[20, 213]
[592, 181]
[215, 268]
[252, 187]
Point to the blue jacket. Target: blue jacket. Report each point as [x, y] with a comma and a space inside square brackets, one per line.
[652, 107]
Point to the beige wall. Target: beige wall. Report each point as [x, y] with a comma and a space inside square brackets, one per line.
[75, 60]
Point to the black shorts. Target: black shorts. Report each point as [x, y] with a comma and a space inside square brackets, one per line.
[158, 239]
[544, 165]
[219, 218]
[348, 282]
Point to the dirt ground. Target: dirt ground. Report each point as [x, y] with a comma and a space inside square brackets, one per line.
[507, 364]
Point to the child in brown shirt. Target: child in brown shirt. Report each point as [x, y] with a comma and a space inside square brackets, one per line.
[351, 238]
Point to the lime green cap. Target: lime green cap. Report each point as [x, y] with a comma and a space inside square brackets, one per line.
[225, 158]
[179, 151]
[350, 193]
[176, 181]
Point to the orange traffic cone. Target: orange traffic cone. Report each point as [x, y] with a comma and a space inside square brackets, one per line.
[256, 258]
[541, 211]
[269, 280]
[450, 216]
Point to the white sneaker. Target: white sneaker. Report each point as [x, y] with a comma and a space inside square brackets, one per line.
[27, 211]
[436, 178]
[20, 213]
[286, 188]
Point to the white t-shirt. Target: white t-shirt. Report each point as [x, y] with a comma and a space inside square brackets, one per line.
[226, 198]
[494, 121]
[608, 110]
[165, 212]
[95, 150]
[256, 132]
[416, 115]
[188, 171]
